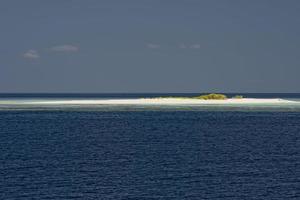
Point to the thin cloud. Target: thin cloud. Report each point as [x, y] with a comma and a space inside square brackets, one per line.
[31, 54]
[182, 46]
[153, 46]
[195, 46]
[65, 48]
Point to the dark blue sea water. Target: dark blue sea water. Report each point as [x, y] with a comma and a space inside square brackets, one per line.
[149, 154]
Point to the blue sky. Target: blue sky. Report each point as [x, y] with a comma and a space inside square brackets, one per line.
[149, 46]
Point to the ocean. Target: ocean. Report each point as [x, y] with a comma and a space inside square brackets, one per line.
[105, 152]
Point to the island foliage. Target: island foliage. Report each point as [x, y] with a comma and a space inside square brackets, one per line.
[237, 97]
[212, 96]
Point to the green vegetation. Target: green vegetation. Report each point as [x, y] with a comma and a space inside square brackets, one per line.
[238, 97]
[211, 97]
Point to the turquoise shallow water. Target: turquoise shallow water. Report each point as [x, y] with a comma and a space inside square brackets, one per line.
[241, 108]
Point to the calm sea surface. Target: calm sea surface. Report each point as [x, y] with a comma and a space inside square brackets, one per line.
[149, 153]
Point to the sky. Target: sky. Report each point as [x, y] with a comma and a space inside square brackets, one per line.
[101, 46]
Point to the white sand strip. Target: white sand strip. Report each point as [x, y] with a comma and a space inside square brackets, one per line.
[162, 101]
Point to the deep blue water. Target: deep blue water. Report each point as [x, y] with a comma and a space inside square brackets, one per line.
[149, 155]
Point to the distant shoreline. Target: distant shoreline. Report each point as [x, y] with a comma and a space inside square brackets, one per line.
[153, 101]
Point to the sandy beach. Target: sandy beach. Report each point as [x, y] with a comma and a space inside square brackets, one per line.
[162, 101]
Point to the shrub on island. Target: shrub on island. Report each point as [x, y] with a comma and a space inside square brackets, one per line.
[237, 97]
[212, 96]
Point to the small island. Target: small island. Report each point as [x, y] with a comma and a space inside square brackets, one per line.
[206, 99]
